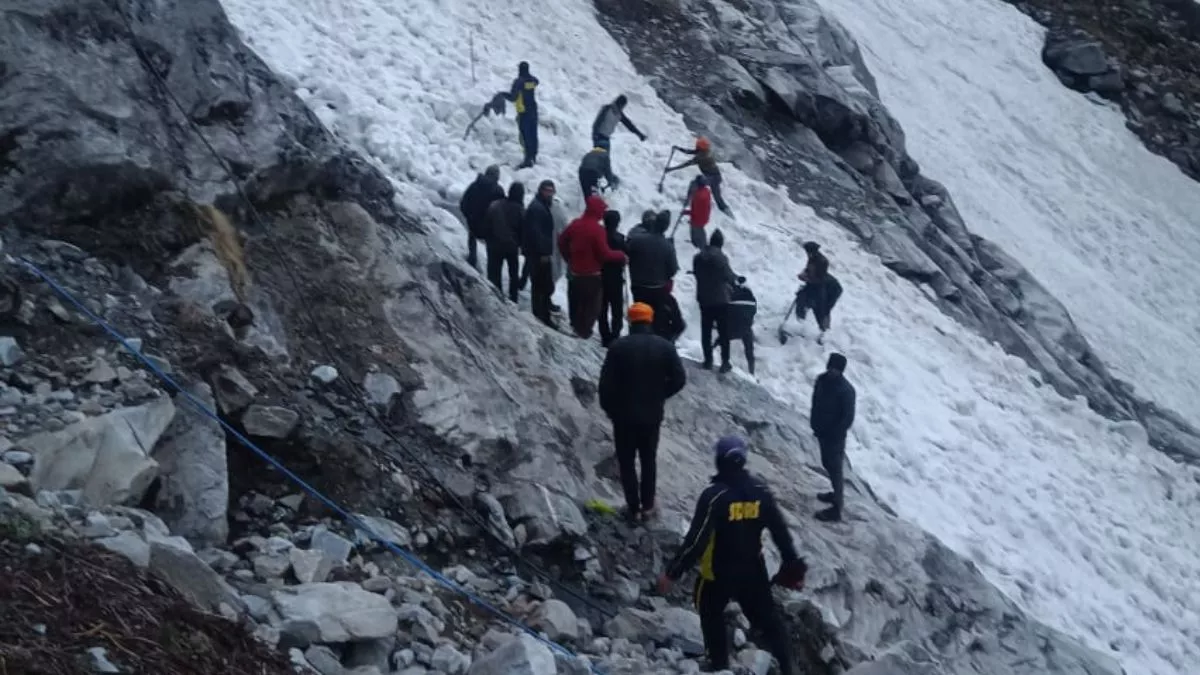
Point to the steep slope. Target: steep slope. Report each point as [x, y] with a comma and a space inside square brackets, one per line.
[955, 433]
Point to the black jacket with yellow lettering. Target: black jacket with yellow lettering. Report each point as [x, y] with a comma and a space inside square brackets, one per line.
[726, 532]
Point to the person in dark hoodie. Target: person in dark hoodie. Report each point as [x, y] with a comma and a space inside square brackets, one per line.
[584, 247]
[820, 291]
[740, 321]
[503, 231]
[714, 280]
[523, 94]
[832, 415]
[537, 242]
[606, 123]
[652, 266]
[474, 204]
[596, 164]
[613, 275]
[641, 371]
[725, 538]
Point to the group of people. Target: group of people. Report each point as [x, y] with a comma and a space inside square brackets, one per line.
[642, 370]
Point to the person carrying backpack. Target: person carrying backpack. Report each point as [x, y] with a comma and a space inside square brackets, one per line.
[612, 309]
[474, 204]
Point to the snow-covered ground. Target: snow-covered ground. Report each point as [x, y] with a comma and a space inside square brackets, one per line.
[1074, 516]
[1051, 175]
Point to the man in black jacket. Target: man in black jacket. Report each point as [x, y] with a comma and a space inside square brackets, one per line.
[596, 164]
[537, 242]
[713, 281]
[833, 403]
[740, 319]
[652, 269]
[474, 204]
[725, 537]
[613, 280]
[503, 235]
[641, 371]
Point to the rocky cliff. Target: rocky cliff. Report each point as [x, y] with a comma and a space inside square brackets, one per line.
[784, 88]
[157, 170]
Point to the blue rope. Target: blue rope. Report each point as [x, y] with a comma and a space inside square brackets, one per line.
[346, 515]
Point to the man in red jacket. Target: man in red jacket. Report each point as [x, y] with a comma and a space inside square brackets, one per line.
[699, 210]
[584, 247]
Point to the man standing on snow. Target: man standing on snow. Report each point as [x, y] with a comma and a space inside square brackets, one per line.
[641, 371]
[606, 123]
[740, 320]
[474, 204]
[833, 403]
[713, 281]
[523, 94]
[538, 243]
[699, 209]
[725, 538]
[584, 245]
[652, 265]
[596, 164]
[613, 307]
[504, 229]
[706, 161]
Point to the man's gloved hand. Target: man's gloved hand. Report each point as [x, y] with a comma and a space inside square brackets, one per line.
[791, 575]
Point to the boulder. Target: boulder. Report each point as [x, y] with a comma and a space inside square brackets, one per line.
[671, 627]
[130, 545]
[334, 546]
[107, 457]
[324, 374]
[521, 655]
[234, 393]
[10, 351]
[194, 493]
[546, 515]
[446, 659]
[268, 421]
[309, 566]
[333, 613]
[390, 532]
[194, 579]
[556, 620]
[1074, 54]
[380, 388]
[491, 508]
[13, 480]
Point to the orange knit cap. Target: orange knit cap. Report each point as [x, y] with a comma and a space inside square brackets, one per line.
[702, 143]
[640, 312]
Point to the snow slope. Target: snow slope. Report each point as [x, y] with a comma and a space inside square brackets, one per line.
[1066, 511]
[1051, 175]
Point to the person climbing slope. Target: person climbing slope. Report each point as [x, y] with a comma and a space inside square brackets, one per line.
[596, 164]
[641, 371]
[740, 320]
[699, 210]
[725, 538]
[503, 231]
[584, 246]
[714, 280]
[613, 275]
[652, 265]
[474, 204]
[539, 245]
[606, 123]
[832, 415]
[704, 159]
[523, 94]
[821, 290]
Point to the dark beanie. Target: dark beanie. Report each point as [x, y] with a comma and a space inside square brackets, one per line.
[663, 220]
[812, 246]
[836, 362]
[523, 68]
[621, 100]
[717, 239]
[612, 219]
[648, 217]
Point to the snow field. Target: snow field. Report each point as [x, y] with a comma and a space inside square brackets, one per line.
[1064, 510]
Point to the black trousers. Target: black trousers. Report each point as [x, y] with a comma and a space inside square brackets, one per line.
[714, 316]
[585, 297]
[527, 133]
[472, 250]
[714, 184]
[833, 457]
[589, 182]
[752, 591]
[637, 445]
[748, 345]
[612, 310]
[496, 262]
[541, 276]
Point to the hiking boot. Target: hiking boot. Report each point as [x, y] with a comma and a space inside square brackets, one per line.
[725, 368]
[707, 365]
[830, 515]
[631, 516]
[555, 308]
[649, 514]
[525, 165]
[826, 497]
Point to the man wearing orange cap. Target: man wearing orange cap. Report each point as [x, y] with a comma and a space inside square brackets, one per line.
[706, 161]
[641, 371]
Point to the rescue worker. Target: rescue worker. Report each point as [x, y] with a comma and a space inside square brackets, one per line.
[503, 236]
[641, 371]
[584, 246]
[704, 159]
[596, 164]
[612, 308]
[699, 210]
[652, 266]
[524, 97]
[474, 204]
[606, 123]
[832, 415]
[820, 291]
[725, 537]
[538, 244]
[714, 281]
[740, 322]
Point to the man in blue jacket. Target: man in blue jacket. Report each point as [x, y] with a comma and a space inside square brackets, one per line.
[524, 97]
[833, 403]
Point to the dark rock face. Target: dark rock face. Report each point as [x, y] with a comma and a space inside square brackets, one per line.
[1152, 50]
[787, 94]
